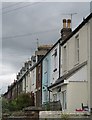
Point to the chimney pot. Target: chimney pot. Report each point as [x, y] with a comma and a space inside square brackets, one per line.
[64, 23]
[68, 23]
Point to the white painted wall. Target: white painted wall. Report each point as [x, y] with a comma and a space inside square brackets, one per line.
[23, 84]
[80, 75]
[33, 79]
[70, 46]
[85, 54]
[76, 94]
[28, 83]
[76, 90]
[54, 75]
[90, 62]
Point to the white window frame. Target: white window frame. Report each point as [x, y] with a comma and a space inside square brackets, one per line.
[55, 60]
[65, 57]
[64, 100]
[77, 57]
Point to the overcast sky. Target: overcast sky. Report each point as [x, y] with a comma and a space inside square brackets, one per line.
[23, 23]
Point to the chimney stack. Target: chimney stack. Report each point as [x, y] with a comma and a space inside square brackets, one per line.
[66, 30]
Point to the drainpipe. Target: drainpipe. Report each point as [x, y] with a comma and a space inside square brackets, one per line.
[41, 83]
[59, 59]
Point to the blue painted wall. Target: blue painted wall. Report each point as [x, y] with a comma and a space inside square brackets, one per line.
[46, 76]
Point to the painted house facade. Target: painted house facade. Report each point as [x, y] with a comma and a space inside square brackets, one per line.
[75, 84]
[50, 71]
[46, 76]
[74, 54]
[36, 74]
[55, 69]
[55, 63]
[25, 76]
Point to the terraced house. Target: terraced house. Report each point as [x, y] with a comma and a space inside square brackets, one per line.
[50, 72]
[75, 84]
[64, 73]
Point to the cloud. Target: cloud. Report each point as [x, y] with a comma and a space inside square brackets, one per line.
[32, 19]
[5, 81]
[6, 77]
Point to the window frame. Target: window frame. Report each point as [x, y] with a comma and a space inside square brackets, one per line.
[65, 57]
[55, 60]
[64, 100]
[77, 49]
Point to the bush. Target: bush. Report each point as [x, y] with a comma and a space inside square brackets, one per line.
[4, 105]
[12, 106]
[22, 101]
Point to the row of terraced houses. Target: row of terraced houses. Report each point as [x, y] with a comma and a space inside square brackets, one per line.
[60, 72]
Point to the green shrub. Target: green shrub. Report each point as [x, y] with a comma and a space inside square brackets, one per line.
[22, 101]
[4, 105]
[12, 106]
